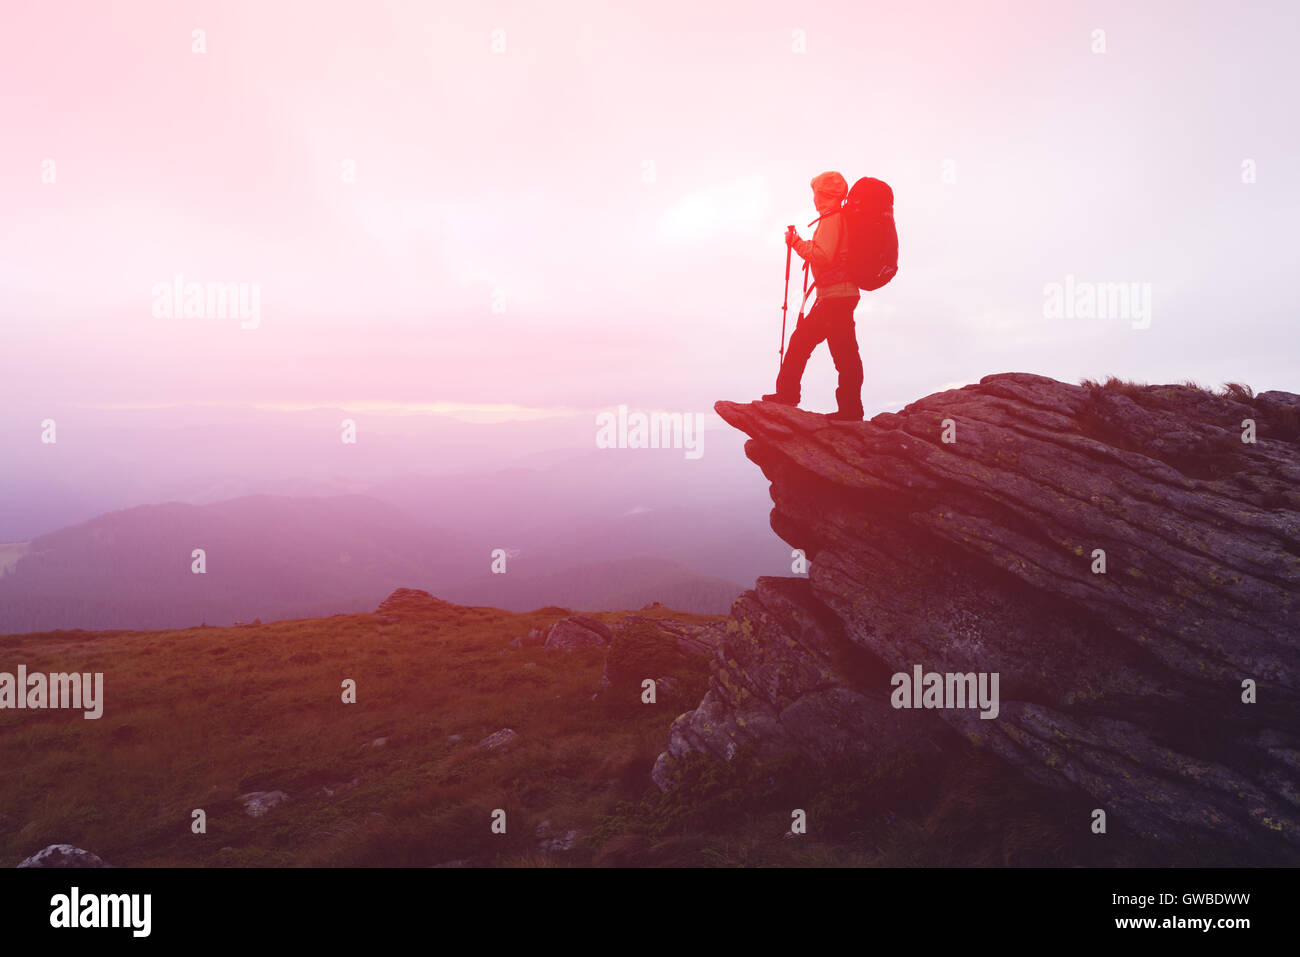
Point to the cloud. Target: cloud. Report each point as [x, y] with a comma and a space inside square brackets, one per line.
[742, 206]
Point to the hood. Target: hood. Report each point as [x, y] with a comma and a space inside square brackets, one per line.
[829, 190]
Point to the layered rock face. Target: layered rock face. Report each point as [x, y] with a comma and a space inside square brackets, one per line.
[1125, 563]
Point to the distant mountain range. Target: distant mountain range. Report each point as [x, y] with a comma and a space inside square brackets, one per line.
[273, 557]
[295, 524]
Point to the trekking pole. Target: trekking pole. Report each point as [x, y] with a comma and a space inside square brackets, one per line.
[785, 303]
[804, 305]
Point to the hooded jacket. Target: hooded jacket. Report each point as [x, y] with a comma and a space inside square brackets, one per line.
[824, 249]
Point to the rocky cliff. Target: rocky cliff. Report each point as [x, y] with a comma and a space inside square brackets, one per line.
[1125, 559]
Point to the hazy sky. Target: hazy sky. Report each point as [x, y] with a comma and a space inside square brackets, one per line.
[616, 179]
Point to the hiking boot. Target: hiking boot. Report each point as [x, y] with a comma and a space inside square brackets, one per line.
[779, 399]
[841, 416]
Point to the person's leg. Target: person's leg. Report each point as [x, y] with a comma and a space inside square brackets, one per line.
[843, 341]
[807, 336]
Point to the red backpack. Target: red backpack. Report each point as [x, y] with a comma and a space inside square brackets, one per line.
[870, 257]
[867, 250]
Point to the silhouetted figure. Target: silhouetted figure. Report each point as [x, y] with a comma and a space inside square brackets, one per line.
[831, 317]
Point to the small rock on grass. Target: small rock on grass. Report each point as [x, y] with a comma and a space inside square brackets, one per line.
[497, 740]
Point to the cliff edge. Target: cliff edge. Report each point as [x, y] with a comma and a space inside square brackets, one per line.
[1125, 559]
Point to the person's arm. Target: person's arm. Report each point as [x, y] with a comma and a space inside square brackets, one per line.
[820, 250]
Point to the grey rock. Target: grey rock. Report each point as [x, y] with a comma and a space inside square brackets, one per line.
[498, 739]
[257, 803]
[578, 631]
[688, 638]
[63, 855]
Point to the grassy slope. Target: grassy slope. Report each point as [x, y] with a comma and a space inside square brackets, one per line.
[195, 718]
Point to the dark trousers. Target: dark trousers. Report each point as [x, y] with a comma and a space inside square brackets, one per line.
[830, 320]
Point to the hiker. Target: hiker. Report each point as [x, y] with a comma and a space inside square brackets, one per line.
[831, 317]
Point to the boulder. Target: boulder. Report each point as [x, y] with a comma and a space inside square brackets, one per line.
[1124, 683]
[498, 739]
[63, 855]
[578, 631]
[257, 803]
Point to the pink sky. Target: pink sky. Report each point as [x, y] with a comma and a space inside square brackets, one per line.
[522, 174]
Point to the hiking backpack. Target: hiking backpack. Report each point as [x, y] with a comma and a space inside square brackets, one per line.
[870, 257]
